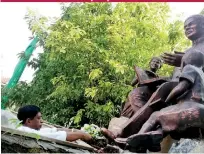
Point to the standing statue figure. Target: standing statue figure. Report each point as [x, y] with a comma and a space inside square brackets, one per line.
[124, 126]
[185, 118]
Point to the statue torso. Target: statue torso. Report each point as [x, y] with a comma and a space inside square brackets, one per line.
[196, 77]
[198, 47]
[197, 91]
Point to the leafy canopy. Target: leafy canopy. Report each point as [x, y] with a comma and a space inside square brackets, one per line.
[84, 74]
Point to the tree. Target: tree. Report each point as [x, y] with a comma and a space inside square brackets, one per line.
[202, 12]
[85, 71]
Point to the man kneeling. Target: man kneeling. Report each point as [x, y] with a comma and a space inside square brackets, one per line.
[31, 120]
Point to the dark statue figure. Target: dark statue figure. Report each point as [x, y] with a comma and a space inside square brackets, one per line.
[155, 64]
[140, 95]
[147, 82]
[178, 106]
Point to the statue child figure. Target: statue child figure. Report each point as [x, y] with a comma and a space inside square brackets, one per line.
[136, 99]
[124, 126]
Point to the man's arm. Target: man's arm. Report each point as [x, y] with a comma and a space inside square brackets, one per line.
[75, 134]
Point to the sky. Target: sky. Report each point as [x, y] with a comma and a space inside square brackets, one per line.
[14, 32]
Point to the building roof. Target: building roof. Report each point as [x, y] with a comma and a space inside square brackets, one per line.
[4, 80]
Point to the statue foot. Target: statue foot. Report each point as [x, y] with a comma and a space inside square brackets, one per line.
[150, 140]
[143, 142]
[154, 148]
[108, 134]
[121, 142]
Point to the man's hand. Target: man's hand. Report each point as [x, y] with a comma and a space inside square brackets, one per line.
[173, 59]
[87, 137]
[75, 134]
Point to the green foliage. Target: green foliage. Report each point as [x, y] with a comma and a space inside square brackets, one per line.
[16, 122]
[85, 71]
[93, 130]
[202, 12]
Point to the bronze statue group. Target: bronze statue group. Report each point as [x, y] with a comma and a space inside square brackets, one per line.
[160, 106]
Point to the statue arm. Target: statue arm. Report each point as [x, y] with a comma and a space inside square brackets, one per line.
[181, 88]
[173, 59]
[134, 82]
[187, 79]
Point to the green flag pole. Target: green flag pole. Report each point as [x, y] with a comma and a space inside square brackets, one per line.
[20, 67]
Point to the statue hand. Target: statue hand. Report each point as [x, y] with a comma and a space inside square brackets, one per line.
[134, 82]
[173, 59]
[170, 96]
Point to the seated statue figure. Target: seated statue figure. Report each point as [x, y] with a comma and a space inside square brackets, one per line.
[124, 126]
[140, 95]
[186, 115]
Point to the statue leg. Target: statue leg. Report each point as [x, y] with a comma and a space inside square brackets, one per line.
[154, 120]
[155, 102]
[177, 117]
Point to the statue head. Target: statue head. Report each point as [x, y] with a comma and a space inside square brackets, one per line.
[194, 58]
[155, 64]
[194, 27]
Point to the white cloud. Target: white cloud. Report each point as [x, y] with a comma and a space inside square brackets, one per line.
[185, 9]
[14, 33]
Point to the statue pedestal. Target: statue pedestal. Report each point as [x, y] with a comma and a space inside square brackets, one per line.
[116, 123]
[187, 146]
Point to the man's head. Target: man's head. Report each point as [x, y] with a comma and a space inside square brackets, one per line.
[195, 59]
[155, 64]
[30, 116]
[194, 27]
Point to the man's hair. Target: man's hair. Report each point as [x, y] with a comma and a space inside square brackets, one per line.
[28, 111]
